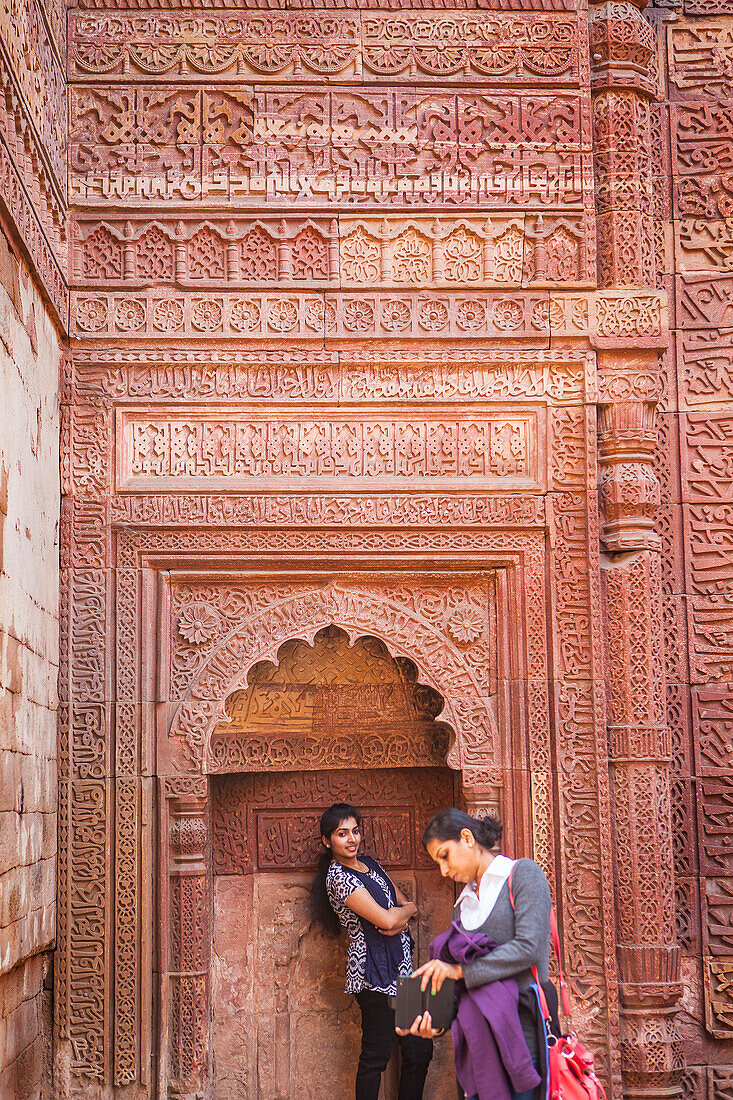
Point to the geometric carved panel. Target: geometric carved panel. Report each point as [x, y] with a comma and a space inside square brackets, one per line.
[495, 451]
[715, 823]
[721, 1080]
[719, 997]
[387, 146]
[712, 711]
[717, 901]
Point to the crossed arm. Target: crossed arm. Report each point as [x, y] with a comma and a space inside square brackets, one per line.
[390, 921]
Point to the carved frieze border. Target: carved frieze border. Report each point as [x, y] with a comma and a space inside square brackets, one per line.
[298, 46]
[420, 251]
[328, 5]
[24, 218]
[32, 183]
[606, 318]
[448, 372]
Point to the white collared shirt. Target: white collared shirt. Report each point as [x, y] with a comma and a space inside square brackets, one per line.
[475, 906]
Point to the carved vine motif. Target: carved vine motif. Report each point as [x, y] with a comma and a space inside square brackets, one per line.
[281, 46]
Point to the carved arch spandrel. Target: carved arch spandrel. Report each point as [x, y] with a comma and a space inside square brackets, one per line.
[440, 660]
[330, 705]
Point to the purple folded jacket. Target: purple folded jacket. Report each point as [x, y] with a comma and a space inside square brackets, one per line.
[491, 1054]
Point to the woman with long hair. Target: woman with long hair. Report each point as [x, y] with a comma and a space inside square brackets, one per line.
[353, 892]
[500, 934]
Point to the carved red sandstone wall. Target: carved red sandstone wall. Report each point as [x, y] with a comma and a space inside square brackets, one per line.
[341, 318]
[694, 521]
[445, 273]
[33, 132]
[33, 300]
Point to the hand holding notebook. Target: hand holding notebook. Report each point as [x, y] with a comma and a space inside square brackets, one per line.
[412, 1001]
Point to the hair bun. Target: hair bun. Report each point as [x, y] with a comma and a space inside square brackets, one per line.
[447, 825]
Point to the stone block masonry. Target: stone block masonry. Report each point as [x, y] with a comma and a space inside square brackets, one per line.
[29, 586]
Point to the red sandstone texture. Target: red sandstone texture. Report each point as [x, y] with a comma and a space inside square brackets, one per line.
[396, 464]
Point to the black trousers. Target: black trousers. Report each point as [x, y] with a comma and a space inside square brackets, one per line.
[377, 1040]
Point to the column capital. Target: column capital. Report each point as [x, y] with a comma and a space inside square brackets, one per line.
[622, 46]
[650, 974]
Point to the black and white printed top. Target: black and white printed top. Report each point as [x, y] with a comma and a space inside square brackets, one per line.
[363, 969]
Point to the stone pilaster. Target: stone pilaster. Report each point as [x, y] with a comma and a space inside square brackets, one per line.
[188, 947]
[622, 48]
[639, 753]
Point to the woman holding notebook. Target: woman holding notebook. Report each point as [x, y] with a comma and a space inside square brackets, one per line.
[353, 892]
[496, 949]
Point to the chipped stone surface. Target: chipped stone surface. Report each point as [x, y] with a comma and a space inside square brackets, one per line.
[29, 540]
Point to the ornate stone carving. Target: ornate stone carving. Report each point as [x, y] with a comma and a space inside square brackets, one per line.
[398, 146]
[252, 828]
[189, 945]
[622, 79]
[351, 315]
[486, 45]
[490, 452]
[327, 510]
[627, 484]
[313, 713]
[33, 152]
[405, 614]
[383, 217]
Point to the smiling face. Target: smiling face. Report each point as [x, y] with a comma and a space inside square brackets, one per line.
[344, 841]
[460, 859]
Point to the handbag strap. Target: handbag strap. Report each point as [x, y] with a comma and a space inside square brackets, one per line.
[564, 997]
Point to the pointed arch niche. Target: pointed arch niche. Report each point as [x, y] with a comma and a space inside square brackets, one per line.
[447, 633]
[277, 678]
[332, 703]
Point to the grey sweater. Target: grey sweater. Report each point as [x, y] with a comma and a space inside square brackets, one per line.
[523, 934]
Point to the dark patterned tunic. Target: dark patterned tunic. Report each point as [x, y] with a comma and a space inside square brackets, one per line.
[360, 970]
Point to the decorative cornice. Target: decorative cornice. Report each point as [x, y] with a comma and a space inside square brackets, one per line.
[327, 5]
[290, 45]
[25, 224]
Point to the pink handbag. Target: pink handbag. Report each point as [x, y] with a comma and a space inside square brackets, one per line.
[571, 1067]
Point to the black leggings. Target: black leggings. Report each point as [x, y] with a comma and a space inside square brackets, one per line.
[377, 1040]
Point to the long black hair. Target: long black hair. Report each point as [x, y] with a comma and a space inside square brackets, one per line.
[447, 825]
[321, 910]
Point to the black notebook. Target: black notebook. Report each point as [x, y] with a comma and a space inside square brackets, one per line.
[412, 1002]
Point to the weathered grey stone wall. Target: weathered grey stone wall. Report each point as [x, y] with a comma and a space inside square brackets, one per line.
[29, 586]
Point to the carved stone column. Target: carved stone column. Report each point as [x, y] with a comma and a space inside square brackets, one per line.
[189, 947]
[622, 47]
[628, 490]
